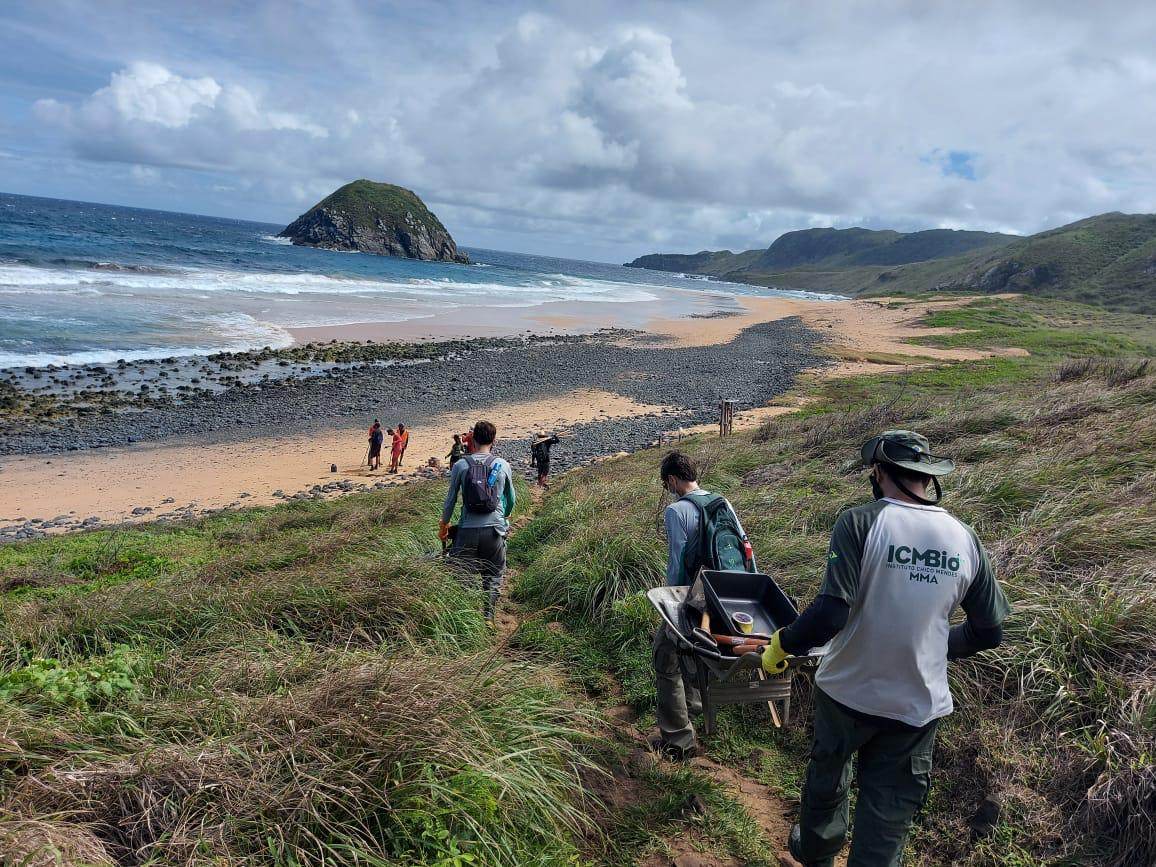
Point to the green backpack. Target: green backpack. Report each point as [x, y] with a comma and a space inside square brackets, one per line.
[721, 545]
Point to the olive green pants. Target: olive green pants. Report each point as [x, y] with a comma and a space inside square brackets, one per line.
[894, 774]
[678, 696]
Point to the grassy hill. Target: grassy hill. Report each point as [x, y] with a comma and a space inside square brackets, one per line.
[1058, 726]
[308, 684]
[827, 251]
[1108, 260]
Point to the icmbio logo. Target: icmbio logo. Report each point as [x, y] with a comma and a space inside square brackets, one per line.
[905, 555]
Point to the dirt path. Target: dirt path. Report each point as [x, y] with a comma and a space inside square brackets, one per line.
[771, 812]
[621, 791]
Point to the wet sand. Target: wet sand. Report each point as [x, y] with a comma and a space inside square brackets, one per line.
[558, 317]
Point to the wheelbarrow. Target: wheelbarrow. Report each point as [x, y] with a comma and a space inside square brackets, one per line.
[722, 678]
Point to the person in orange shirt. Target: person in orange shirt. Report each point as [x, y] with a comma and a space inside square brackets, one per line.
[395, 451]
[404, 432]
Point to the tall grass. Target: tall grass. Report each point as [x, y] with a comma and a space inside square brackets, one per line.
[313, 689]
[1058, 475]
[399, 762]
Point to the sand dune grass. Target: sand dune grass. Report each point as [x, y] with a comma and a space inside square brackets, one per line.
[1058, 476]
[302, 685]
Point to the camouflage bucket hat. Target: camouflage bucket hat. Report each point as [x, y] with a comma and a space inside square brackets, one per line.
[907, 449]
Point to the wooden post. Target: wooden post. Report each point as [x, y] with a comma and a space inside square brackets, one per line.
[726, 418]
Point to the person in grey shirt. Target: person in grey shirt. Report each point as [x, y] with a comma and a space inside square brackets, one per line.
[479, 545]
[896, 570]
[678, 698]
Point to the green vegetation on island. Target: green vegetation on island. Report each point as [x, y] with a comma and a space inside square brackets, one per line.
[308, 684]
[375, 217]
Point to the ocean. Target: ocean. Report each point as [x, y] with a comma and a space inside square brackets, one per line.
[84, 283]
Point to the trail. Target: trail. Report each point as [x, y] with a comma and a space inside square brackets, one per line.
[622, 790]
[771, 812]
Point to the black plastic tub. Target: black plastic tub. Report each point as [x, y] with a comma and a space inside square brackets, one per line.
[724, 594]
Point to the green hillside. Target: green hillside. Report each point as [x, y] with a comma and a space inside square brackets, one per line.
[1108, 260]
[826, 251]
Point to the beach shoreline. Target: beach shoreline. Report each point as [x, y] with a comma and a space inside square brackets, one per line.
[613, 392]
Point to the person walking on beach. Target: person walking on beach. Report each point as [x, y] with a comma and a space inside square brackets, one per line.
[395, 450]
[376, 438]
[896, 569]
[457, 450]
[678, 698]
[540, 455]
[403, 432]
[486, 485]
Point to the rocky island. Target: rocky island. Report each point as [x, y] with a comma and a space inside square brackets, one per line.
[373, 217]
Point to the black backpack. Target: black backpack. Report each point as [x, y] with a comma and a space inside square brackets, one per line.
[480, 486]
[721, 543]
[538, 453]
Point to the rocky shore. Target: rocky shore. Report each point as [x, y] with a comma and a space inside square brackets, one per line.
[249, 396]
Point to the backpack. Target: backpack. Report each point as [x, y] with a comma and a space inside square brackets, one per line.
[538, 453]
[721, 543]
[480, 492]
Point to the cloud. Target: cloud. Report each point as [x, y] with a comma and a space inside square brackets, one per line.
[680, 127]
[148, 115]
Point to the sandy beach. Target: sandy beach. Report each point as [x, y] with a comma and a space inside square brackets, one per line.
[172, 478]
[185, 476]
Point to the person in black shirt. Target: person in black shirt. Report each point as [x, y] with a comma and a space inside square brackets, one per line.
[540, 455]
[376, 437]
[457, 450]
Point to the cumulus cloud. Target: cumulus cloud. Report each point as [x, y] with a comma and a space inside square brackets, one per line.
[681, 128]
[148, 114]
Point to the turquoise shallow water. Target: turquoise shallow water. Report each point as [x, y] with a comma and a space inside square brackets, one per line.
[83, 283]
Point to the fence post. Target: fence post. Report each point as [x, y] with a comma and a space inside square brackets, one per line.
[726, 418]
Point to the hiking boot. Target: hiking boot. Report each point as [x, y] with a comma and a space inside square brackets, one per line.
[671, 752]
[795, 845]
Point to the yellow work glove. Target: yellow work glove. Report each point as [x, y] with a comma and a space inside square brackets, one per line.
[443, 530]
[774, 657]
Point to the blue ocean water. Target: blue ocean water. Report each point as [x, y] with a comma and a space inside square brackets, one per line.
[83, 283]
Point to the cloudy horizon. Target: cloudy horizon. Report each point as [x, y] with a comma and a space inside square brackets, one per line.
[592, 130]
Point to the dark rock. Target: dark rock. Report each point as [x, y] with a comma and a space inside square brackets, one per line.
[375, 218]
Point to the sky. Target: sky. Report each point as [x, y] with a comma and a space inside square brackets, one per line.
[595, 130]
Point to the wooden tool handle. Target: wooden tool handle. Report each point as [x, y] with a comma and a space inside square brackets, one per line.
[735, 640]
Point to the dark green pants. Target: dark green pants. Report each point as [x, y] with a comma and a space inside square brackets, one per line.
[894, 773]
